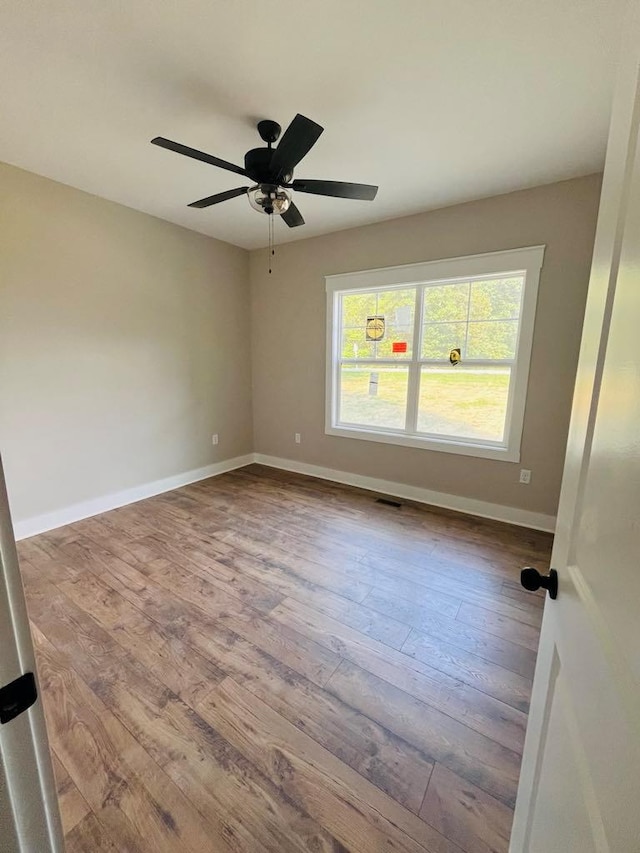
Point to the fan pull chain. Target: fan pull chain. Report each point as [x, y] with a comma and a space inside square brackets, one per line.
[272, 250]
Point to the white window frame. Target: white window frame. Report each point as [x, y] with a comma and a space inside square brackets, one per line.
[525, 261]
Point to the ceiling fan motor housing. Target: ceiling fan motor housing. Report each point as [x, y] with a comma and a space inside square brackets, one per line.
[257, 164]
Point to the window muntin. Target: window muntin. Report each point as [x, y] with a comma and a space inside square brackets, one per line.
[397, 306]
[428, 402]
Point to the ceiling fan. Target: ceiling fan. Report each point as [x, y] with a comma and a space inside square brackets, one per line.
[271, 171]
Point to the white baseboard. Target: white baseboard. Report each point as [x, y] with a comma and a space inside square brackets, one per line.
[76, 512]
[471, 506]
[86, 509]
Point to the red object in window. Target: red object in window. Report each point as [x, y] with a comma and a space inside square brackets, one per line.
[399, 346]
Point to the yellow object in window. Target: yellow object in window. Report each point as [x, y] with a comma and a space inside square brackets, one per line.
[375, 328]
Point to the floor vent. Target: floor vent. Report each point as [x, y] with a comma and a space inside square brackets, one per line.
[388, 502]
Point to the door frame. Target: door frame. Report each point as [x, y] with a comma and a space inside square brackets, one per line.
[29, 813]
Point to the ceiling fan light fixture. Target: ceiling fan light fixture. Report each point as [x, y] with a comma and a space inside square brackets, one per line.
[269, 199]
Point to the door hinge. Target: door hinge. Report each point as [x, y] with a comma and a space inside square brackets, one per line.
[17, 696]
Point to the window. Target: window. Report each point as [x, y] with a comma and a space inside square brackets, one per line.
[434, 355]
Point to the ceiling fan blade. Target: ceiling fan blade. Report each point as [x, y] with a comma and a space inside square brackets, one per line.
[218, 197]
[336, 189]
[170, 145]
[297, 140]
[292, 216]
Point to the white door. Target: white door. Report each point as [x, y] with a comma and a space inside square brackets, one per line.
[580, 782]
[29, 818]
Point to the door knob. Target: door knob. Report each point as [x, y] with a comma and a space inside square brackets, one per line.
[532, 580]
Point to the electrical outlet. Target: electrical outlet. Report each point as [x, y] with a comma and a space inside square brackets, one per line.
[525, 476]
[297, 437]
[214, 438]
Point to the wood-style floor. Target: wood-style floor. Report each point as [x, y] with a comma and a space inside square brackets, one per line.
[266, 662]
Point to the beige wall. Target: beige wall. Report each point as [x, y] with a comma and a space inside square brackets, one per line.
[124, 345]
[288, 343]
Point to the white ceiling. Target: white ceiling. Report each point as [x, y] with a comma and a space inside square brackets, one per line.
[437, 101]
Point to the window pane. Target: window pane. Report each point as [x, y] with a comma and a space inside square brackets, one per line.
[355, 344]
[356, 307]
[372, 395]
[464, 402]
[438, 339]
[394, 311]
[397, 307]
[445, 303]
[496, 300]
[492, 340]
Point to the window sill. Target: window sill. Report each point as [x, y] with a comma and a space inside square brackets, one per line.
[497, 452]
